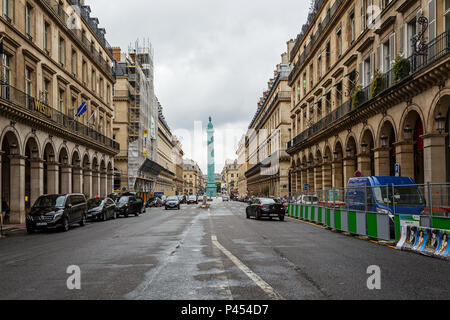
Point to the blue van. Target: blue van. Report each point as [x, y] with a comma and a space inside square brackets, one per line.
[408, 199]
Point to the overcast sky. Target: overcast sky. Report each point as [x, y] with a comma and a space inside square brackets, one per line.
[211, 58]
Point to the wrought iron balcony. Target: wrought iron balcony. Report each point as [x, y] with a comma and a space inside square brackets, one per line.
[33, 106]
[433, 51]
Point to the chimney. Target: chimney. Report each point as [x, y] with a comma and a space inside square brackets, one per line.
[116, 51]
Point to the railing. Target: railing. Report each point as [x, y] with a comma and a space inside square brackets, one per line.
[65, 18]
[314, 38]
[31, 104]
[436, 49]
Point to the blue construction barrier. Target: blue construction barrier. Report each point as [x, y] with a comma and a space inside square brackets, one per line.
[426, 241]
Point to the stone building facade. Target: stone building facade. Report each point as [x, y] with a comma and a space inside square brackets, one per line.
[242, 154]
[193, 178]
[370, 92]
[267, 137]
[55, 57]
[230, 176]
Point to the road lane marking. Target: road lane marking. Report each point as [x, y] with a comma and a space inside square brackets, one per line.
[253, 276]
[313, 224]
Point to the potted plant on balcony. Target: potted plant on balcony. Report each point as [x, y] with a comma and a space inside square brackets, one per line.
[358, 97]
[377, 84]
[401, 69]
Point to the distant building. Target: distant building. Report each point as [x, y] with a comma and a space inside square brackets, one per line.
[193, 178]
[230, 177]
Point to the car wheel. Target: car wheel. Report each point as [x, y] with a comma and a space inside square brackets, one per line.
[165, 208]
[65, 224]
[104, 217]
[114, 215]
[83, 221]
[281, 218]
[258, 215]
[126, 215]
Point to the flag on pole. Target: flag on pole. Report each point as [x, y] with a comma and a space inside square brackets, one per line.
[81, 110]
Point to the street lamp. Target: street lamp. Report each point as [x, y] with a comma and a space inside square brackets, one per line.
[325, 159]
[364, 146]
[384, 141]
[335, 155]
[440, 123]
[407, 132]
[51, 157]
[309, 163]
[65, 160]
[349, 152]
[14, 149]
[34, 153]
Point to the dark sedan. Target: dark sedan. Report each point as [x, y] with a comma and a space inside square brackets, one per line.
[101, 209]
[265, 208]
[128, 205]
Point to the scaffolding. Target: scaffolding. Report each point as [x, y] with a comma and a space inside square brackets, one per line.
[143, 113]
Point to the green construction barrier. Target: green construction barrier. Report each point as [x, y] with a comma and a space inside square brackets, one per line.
[337, 220]
[441, 223]
[372, 228]
[307, 211]
[319, 219]
[296, 211]
[352, 227]
[328, 218]
[302, 212]
[290, 210]
[313, 214]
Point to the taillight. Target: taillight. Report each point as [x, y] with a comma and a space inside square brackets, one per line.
[262, 207]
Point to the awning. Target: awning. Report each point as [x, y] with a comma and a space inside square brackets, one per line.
[151, 167]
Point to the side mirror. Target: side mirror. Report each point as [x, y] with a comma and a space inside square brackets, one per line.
[69, 206]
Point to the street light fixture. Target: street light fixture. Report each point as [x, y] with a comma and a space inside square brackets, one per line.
[440, 123]
[408, 132]
[34, 153]
[364, 146]
[14, 149]
[335, 155]
[384, 141]
[65, 160]
[349, 152]
[51, 157]
[325, 159]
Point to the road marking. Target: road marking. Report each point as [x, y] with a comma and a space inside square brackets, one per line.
[253, 276]
[313, 224]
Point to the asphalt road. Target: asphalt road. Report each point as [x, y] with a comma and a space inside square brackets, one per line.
[211, 254]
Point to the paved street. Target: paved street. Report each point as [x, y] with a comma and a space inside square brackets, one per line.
[175, 255]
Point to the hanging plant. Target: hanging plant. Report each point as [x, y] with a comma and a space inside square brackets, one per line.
[401, 69]
[377, 84]
[358, 97]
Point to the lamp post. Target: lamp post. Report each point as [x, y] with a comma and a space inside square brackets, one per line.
[364, 146]
[14, 149]
[34, 153]
[325, 159]
[384, 141]
[348, 152]
[440, 123]
[335, 155]
[407, 132]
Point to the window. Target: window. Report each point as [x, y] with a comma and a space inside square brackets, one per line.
[339, 94]
[46, 92]
[386, 55]
[28, 85]
[7, 9]
[447, 14]
[327, 57]
[352, 26]
[319, 66]
[74, 62]
[108, 93]
[47, 37]
[432, 20]
[339, 42]
[84, 72]
[311, 76]
[61, 101]
[61, 52]
[28, 10]
[93, 80]
[366, 71]
[6, 69]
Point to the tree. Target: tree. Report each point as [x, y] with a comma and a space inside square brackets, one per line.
[219, 186]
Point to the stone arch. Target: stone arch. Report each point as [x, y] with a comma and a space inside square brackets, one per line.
[367, 163]
[406, 120]
[12, 135]
[29, 138]
[352, 141]
[439, 104]
[383, 122]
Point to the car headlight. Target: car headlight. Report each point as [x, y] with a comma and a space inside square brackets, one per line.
[57, 216]
[383, 211]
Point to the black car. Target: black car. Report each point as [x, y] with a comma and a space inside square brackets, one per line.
[57, 212]
[101, 209]
[128, 205]
[172, 203]
[265, 208]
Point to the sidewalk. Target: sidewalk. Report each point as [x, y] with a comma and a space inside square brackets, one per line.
[13, 227]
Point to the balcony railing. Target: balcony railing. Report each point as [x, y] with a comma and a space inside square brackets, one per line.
[436, 49]
[32, 105]
[96, 56]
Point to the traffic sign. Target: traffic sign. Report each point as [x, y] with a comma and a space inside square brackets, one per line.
[358, 174]
[306, 186]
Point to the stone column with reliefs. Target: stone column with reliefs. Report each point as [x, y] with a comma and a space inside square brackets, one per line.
[405, 157]
[95, 184]
[53, 178]
[349, 170]
[326, 176]
[110, 182]
[77, 183]
[311, 179]
[382, 163]
[434, 158]
[103, 187]
[337, 174]
[17, 192]
[87, 182]
[66, 179]
[318, 179]
[364, 164]
[36, 179]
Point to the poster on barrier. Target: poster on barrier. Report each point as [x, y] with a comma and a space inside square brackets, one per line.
[432, 242]
[421, 239]
[443, 249]
[410, 238]
[403, 237]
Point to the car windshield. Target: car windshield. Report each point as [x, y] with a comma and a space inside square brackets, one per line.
[172, 199]
[406, 196]
[124, 200]
[192, 197]
[310, 199]
[50, 202]
[94, 203]
[268, 201]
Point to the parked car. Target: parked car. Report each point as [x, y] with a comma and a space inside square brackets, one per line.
[172, 203]
[128, 205]
[308, 200]
[154, 203]
[225, 198]
[101, 209]
[57, 211]
[376, 194]
[265, 208]
[192, 200]
[182, 199]
[114, 197]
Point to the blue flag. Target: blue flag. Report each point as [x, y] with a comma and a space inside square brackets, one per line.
[81, 110]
